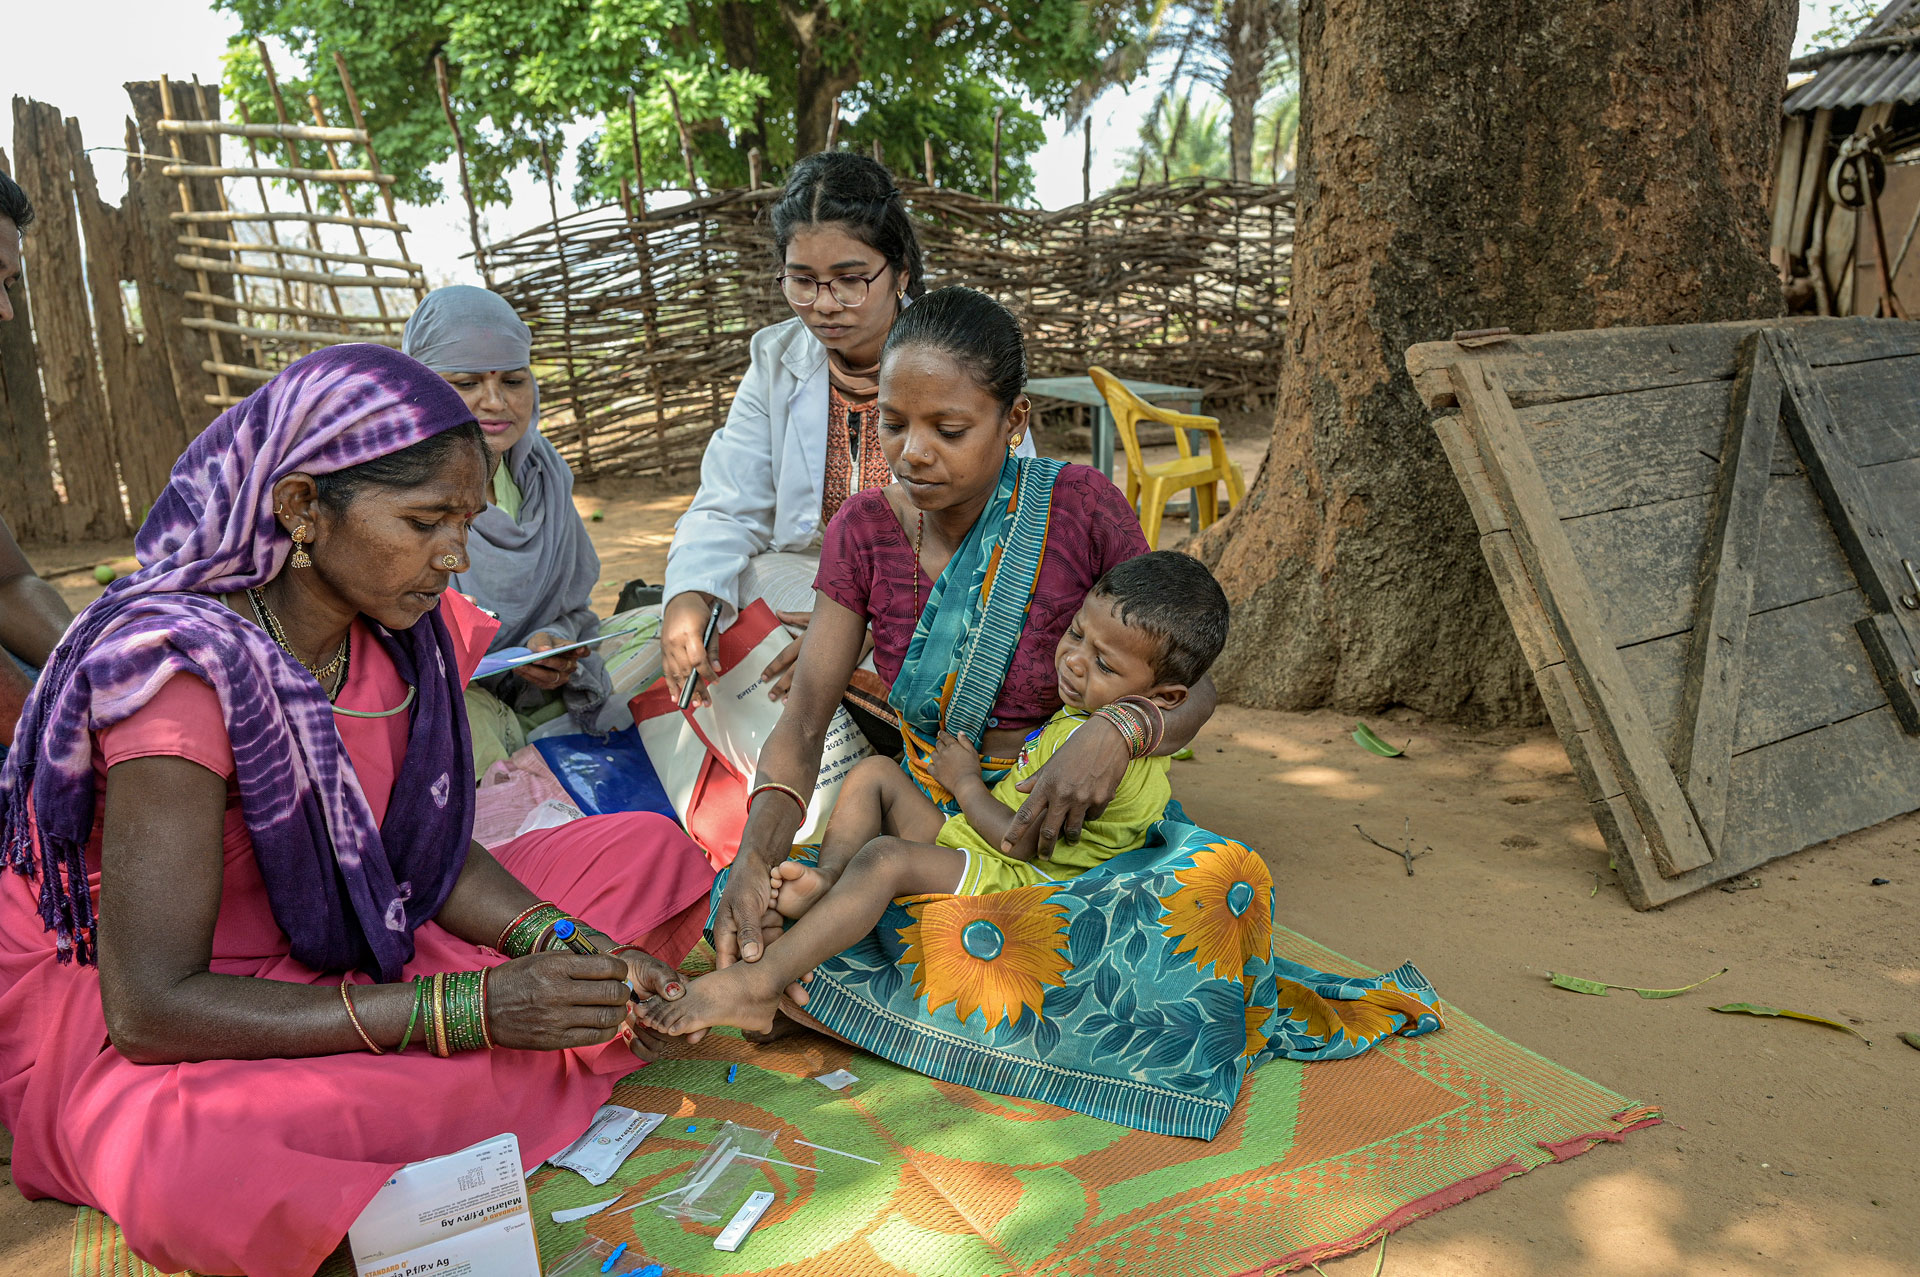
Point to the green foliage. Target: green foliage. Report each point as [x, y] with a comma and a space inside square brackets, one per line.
[1847, 21]
[748, 73]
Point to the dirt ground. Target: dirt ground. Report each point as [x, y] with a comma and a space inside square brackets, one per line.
[1790, 1148]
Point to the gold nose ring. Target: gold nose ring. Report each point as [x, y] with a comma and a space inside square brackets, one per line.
[449, 561]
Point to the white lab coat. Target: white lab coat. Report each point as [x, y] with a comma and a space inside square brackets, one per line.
[760, 482]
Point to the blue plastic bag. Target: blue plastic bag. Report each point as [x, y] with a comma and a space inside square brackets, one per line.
[605, 775]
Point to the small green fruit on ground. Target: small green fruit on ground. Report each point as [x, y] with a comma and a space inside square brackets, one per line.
[104, 574]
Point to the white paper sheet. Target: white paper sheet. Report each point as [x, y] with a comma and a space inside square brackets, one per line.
[462, 1215]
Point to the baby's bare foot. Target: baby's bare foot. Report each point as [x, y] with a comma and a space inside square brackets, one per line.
[798, 886]
[728, 996]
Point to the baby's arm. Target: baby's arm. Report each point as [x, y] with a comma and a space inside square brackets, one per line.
[956, 765]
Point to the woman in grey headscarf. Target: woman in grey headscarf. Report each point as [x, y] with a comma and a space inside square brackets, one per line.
[533, 564]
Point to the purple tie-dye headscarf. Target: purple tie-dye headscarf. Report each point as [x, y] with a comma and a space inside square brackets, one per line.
[348, 893]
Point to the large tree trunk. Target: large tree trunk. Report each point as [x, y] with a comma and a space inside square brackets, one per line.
[1247, 31]
[1533, 164]
[816, 84]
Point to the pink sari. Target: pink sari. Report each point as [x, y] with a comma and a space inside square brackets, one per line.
[260, 1166]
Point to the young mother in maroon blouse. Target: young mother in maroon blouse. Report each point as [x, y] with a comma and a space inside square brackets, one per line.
[950, 407]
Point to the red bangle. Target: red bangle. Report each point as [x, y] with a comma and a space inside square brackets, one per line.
[774, 786]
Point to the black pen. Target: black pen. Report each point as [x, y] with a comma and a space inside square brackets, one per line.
[706, 645]
[569, 935]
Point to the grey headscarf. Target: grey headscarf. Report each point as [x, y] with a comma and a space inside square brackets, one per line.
[536, 572]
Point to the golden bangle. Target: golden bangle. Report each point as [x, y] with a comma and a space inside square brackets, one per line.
[354, 1017]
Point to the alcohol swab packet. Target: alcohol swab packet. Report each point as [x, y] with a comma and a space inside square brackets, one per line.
[838, 1080]
[609, 1140]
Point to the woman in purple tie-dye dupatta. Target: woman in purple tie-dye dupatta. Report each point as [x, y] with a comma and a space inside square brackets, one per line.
[251, 960]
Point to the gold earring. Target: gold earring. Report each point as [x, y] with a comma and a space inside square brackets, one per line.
[1014, 443]
[300, 558]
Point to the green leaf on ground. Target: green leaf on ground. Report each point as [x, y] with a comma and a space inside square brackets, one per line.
[1748, 1008]
[1911, 1039]
[1580, 984]
[1183, 755]
[1364, 737]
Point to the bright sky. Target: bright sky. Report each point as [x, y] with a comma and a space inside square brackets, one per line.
[77, 53]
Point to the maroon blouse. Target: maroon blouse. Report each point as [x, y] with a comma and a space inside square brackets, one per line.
[867, 566]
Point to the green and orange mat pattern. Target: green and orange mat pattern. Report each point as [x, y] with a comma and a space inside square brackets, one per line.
[1317, 1160]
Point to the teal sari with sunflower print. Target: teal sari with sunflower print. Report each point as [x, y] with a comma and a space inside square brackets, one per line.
[1140, 992]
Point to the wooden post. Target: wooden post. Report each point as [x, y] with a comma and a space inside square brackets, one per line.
[993, 182]
[879, 154]
[753, 168]
[639, 165]
[27, 500]
[686, 139]
[833, 125]
[1086, 165]
[373, 162]
[186, 206]
[466, 186]
[77, 414]
[931, 180]
[566, 319]
[167, 289]
[142, 446]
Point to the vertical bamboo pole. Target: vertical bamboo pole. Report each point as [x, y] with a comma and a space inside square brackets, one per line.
[1086, 164]
[466, 187]
[346, 198]
[260, 188]
[373, 162]
[879, 155]
[993, 183]
[833, 125]
[293, 161]
[566, 319]
[242, 286]
[186, 206]
[753, 168]
[928, 162]
[649, 302]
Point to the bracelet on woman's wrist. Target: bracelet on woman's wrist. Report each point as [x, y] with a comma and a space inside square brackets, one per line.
[527, 933]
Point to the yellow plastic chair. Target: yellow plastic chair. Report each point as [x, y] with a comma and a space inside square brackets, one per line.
[1148, 487]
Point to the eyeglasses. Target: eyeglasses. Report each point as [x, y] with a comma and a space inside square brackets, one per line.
[848, 290]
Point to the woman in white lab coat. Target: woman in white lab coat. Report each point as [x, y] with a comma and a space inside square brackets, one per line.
[802, 435]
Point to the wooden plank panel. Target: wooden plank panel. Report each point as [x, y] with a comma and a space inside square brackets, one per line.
[1863, 528]
[1619, 718]
[1877, 407]
[1819, 785]
[1804, 668]
[1615, 451]
[27, 499]
[1702, 740]
[1549, 367]
[1657, 549]
[63, 328]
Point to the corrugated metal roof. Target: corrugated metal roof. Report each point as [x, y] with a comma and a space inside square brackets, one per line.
[1885, 75]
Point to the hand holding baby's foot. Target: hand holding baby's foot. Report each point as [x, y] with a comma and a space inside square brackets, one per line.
[797, 887]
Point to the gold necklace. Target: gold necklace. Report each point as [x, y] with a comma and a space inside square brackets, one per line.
[271, 624]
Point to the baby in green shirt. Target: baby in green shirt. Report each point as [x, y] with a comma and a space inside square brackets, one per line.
[1148, 630]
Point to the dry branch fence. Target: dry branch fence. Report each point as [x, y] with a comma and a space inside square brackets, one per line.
[642, 323]
[139, 321]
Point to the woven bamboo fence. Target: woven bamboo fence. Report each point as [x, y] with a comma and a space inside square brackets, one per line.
[641, 323]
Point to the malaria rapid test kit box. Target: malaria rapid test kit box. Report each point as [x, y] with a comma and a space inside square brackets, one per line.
[462, 1215]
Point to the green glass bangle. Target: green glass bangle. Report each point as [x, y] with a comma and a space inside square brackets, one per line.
[413, 1018]
[528, 933]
